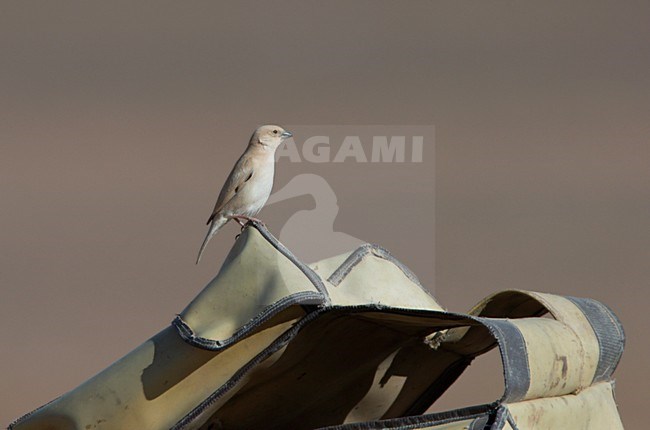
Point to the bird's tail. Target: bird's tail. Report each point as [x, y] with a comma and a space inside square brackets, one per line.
[216, 224]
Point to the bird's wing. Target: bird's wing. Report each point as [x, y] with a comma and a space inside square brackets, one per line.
[239, 176]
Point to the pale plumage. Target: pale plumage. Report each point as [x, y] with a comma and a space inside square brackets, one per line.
[250, 182]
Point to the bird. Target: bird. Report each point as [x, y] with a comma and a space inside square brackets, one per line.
[249, 184]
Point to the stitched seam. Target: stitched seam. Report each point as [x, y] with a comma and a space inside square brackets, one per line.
[311, 275]
[360, 253]
[188, 335]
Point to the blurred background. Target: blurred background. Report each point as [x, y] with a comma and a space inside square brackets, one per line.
[120, 121]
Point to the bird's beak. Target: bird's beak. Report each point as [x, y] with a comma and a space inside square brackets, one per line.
[286, 134]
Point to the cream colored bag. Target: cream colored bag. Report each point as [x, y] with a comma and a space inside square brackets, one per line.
[353, 341]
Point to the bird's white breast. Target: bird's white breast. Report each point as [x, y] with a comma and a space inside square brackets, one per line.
[261, 184]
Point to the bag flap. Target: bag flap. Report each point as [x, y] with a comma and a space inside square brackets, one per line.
[259, 279]
[371, 275]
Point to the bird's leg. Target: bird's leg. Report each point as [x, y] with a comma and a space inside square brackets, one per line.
[238, 219]
[242, 224]
[251, 219]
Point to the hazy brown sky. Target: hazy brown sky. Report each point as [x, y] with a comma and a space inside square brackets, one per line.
[119, 122]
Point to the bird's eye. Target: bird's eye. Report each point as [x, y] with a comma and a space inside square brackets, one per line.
[275, 132]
